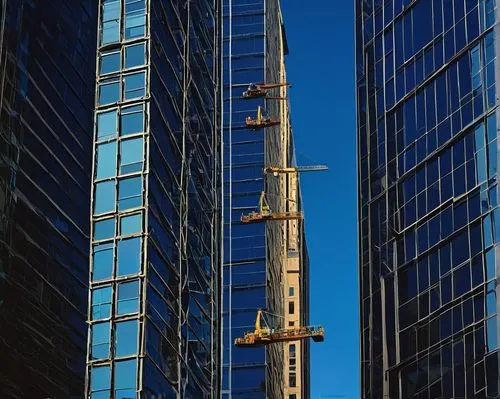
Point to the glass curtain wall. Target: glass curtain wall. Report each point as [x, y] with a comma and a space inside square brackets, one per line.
[427, 168]
[244, 277]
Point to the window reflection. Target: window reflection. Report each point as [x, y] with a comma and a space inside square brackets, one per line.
[104, 200]
[126, 338]
[129, 257]
[104, 229]
[135, 18]
[130, 193]
[131, 155]
[101, 303]
[107, 125]
[135, 55]
[102, 262]
[101, 382]
[125, 379]
[134, 85]
[109, 91]
[132, 120]
[131, 224]
[110, 21]
[110, 62]
[100, 340]
[106, 160]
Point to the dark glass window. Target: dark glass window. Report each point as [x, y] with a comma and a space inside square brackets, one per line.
[291, 307]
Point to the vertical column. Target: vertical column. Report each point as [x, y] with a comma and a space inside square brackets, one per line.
[118, 232]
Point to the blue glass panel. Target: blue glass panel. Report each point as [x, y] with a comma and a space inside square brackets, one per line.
[125, 379]
[131, 224]
[109, 92]
[131, 155]
[134, 85]
[110, 63]
[135, 55]
[106, 160]
[102, 262]
[107, 125]
[491, 332]
[130, 193]
[132, 120]
[100, 378]
[128, 297]
[104, 200]
[126, 338]
[100, 340]
[104, 229]
[129, 257]
[101, 303]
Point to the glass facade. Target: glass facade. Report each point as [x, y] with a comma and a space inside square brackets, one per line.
[428, 215]
[47, 64]
[153, 271]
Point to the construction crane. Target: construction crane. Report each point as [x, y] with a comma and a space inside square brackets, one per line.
[265, 213]
[266, 336]
[276, 170]
[262, 121]
[258, 90]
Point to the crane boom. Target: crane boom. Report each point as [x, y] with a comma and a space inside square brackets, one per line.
[313, 168]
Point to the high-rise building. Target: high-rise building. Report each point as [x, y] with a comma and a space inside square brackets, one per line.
[265, 264]
[153, 310]
[47, 64]
[428, 195]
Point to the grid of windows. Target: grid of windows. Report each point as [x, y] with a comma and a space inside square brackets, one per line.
[120, 148]
[427, 154]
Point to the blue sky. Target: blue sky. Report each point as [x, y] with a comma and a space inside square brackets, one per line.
[321, 69]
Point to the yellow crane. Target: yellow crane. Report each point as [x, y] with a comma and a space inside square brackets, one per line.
[259, 90]
[262, 121]
[266, 335]
[265, 213]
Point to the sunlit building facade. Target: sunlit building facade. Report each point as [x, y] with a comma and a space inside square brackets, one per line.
[153, 311]
[428, 215]
[47, 65]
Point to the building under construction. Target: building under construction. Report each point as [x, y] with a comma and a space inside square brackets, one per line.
[266, 265]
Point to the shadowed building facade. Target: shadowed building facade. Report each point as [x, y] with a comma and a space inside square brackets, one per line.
[154, 254]
[47, 64]
[429, 222]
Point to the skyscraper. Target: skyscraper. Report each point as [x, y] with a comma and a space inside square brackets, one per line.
[153, 310]
[428, 195]
[264, 263]
[47, 61]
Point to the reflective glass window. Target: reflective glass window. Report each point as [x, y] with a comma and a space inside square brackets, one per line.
[104, 229]
[128, 297]
[106, 160]
[109, 62]
[125, 379]
[132, 120]
[491, 331]
[104, 200]
[134, 85]
[101, 303]
[131, 155]
[131, 224]
[129, 257]
[100, 382]
[135, 18]
[291, 291]
[110, 21]
[107, 126]
[109, 91]
[130, 193]
[126, 338]
[135, 55]
[102, 262]
[100, 340]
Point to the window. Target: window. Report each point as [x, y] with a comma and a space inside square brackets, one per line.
[135, 55]
[135, 18]
[126, 379]
[132, 120]
[102, 262]
[101, 303]
[107, 125]
[130, 193]
[131, 224]
[291, 307]
[292, 396]
[110, 62]
[128, 297]
[104, 229]
[129, 257]
[291, 350]
[135, 85]
[110, 21]
[106, 160]
[104, 200]
[101, 382]
[291, 323]
[126, 338]
[109, 91]
[131, 155]
[292, 381]
[100, 340]
[291, 291]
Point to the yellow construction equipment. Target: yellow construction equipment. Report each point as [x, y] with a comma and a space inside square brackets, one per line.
[265, 336]
[258, 90]
[265, 213]
[275, 170]
[262, 121]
